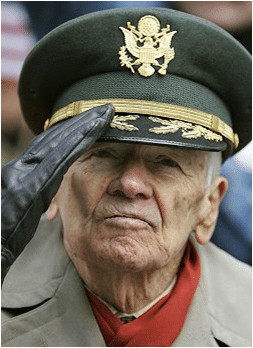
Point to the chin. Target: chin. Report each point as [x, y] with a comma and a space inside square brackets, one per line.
[128, 255]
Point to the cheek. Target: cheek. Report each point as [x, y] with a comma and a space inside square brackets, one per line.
[82, 198]
[179, 208]
[78, 198]
[85, 192]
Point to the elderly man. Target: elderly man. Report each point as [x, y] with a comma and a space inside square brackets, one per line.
[130, 186]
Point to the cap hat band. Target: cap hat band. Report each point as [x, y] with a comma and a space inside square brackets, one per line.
[150, 108]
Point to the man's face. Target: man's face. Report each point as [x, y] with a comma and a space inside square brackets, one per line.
[131, 207]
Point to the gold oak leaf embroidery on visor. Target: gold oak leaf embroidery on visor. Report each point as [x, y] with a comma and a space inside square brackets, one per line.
[189, 130]
[118, 122]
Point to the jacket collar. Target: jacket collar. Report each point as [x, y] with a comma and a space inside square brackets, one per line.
[67, 320]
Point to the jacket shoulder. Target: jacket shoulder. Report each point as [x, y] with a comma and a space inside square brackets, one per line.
[227, 286]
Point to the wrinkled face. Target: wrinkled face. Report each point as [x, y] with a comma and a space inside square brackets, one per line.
[131, 206]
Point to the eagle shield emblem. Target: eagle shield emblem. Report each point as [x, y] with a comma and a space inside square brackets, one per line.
[148, 45]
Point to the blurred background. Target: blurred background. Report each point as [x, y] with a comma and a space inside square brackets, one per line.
[25, 22]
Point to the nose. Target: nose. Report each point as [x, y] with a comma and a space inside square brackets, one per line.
[132, 182]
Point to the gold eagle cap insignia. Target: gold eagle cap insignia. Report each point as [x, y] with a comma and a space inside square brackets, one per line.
[149, 45]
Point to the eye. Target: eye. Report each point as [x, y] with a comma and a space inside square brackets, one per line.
[167, 162]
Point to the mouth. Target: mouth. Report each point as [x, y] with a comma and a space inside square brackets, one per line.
[125, 220]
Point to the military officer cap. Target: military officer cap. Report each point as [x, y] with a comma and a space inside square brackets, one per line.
[173, 78]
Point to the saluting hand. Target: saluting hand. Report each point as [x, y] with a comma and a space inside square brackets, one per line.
[30, 182]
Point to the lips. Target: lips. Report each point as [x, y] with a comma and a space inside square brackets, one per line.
[118, 212]
[129, 218]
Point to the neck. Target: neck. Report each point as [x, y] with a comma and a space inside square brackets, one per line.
[129, 292]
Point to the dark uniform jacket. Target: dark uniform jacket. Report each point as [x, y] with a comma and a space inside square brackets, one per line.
[45, 304]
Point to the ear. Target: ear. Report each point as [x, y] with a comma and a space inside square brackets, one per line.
[205, 228]
[52, 210]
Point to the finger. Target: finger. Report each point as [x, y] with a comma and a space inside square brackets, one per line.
[70, 148]
[52, 137]
[86, 135]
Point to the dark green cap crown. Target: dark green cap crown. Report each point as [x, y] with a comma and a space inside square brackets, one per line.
[175, 79]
